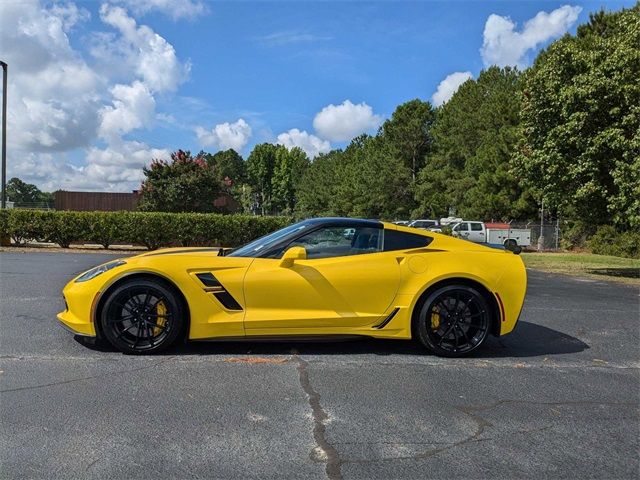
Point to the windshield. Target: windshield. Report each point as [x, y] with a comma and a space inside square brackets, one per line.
[253, 249]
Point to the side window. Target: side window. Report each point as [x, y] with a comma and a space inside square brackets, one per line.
[395, 240]
[464, 227]
[476, 227]
[340, 241]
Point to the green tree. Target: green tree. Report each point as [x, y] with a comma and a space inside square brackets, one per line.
[22, 192]
[475, 137]
[580, 147]
[317, 190]
[229, 166]
[367, 180]
[408, 135]
[379, 183]
[184, 184]
[260, 166]
[289, 167]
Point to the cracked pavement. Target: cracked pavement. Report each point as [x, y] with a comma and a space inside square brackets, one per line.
[559, 398]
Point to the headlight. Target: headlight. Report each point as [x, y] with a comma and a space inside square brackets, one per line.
[94, 272]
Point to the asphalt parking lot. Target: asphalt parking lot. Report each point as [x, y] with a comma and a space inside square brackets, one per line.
[559, 398]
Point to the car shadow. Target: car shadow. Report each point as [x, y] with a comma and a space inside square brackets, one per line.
[527, 340]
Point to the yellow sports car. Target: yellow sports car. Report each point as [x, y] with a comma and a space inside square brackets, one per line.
[320, 277]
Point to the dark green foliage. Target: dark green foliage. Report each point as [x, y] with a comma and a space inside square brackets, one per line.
[151, 229]
[581, 121]
[274, 173]
[106, 228]
[65, 227]
[260, 166]
[475, 135]
[228, 165]
[20, 192]
[408, 133]
[289, 167]
[574, 234]
[609, 241]
[185, 184]
[25, 225]
[365, 180]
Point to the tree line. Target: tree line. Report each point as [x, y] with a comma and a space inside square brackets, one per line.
[566, 131]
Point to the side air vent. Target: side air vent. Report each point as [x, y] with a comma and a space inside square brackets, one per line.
[227, 300]
[212, 285]
[384, 323]
[208, 279]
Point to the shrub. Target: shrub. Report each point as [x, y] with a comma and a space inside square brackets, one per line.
[575, 234]
[25, 225]
[151, 229]
[106, 228]
[4, 218]
[608, 241]
[63, 228]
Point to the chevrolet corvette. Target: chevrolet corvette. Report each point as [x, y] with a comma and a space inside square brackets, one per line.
[322, 277]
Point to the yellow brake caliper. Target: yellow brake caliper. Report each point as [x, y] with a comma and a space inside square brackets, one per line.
[161, 309]
[435, 319]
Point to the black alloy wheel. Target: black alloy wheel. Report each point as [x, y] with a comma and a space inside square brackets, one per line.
[142, 316]
[454, 320]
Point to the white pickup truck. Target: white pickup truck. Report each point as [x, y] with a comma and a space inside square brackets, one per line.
[492, 233]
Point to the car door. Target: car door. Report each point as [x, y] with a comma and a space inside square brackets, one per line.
[476, 232]
[346, 281]
[462, 230]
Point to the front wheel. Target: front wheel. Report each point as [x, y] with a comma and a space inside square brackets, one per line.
[142, 316]
[453, 320]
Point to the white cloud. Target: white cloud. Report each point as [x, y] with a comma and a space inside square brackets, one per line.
[343, 122]
[60, 104]
[312, 145]
[52, 90]
[449, 86]
[133, 107]
[120, 164]
[146, 53]
[115, 168]
[226, 135]
[176, 9]
[503, 45]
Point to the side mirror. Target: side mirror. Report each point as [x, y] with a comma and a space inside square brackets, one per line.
[291, 255]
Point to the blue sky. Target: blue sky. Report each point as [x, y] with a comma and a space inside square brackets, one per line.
[256, 70]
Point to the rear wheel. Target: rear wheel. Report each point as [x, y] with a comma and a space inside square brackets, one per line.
[454, 320]
[142, 316]
[510, 243]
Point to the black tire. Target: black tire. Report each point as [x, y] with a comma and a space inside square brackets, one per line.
[510, 243]
[453, 320]
[142, 316]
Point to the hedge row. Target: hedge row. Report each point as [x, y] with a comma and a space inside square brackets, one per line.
[608, 241]
[151, 229]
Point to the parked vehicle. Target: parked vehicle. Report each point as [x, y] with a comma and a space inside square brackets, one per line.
[449, 221]
[493, 233]
[404, 223]
[426, 224]
[326, 277]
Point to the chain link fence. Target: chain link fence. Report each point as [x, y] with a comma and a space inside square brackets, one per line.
[543, 237]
